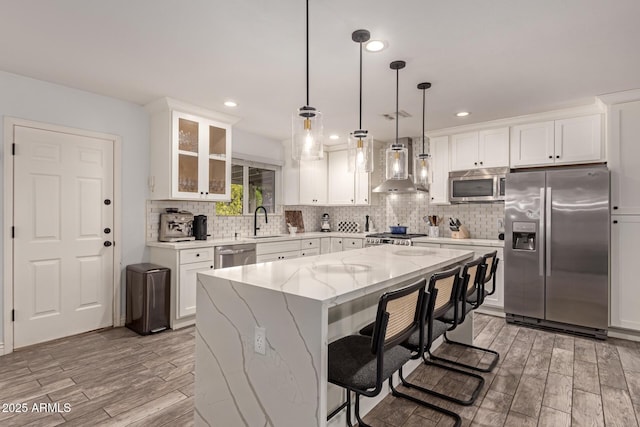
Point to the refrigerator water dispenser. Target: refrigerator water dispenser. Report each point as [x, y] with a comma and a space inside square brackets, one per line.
[524, 236]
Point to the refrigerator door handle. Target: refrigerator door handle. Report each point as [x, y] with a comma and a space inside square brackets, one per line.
[547, 237]
[540, 234]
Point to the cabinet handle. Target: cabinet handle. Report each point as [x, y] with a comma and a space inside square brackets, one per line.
[551, 157]
[481, 163]
[197, 254]
[475, 163]
[202, 192]
[366, 200]
[211, 266]
[615, 208]
[432, 198]
[207, 192]
[351, 200]
[557, 157]
[615, 222]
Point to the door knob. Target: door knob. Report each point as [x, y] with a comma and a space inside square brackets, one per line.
[107, 230]
[107, 244]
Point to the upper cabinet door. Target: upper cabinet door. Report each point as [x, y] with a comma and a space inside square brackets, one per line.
[341, 189]
[623, 155]
[438, 190]
[493, 148]
[362, 188]
[578, 140]
[313, 182]
[464, 151]
[532, 144]
[202, 167]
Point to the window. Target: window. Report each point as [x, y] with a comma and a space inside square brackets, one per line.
[252, 185]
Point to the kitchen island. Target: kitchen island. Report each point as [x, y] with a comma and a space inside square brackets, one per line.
[298, 306]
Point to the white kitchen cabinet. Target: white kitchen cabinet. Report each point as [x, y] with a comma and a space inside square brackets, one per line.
[439, 187]
[484, 149]
[497, 299]
[313, 182]
[344, 187]
[625, 292]
[623, 154]
[341, 185]
[568, 141]
[278, 256]
[532, 144]
[325, 245]
[336, 244]
[190, 153]
[351, 243]
[184, 265]
[187, 289]
[309, 252]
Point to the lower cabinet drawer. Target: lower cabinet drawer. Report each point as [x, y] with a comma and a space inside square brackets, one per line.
[349, 243]
[188, 256]
[309, 252]
[309, 243]
[277, 247]
[186, 298]
[278, 256]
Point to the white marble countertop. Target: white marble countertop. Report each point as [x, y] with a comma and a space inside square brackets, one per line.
[342, 276]
[240, 240]
[468, 242]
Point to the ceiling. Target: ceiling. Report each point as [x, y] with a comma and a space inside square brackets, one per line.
[495, 58]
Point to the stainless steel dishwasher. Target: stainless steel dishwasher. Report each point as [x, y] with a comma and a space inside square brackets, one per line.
[233, 255]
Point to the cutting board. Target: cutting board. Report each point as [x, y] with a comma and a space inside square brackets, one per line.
[295, 219]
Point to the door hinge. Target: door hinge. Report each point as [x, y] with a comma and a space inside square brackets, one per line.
[13, 149]
[13, 232]
[13, 315]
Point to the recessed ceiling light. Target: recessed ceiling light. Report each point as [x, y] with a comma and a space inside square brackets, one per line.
[230, 103]
[463, 114]
[334, 137]
[375, 45]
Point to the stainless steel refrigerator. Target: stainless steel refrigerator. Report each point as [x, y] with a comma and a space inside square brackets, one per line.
[557, 249]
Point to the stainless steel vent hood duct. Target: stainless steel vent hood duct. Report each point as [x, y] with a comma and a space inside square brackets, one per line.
[401, 185]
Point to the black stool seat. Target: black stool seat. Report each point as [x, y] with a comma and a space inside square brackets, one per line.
[450, 315]
[473, 298]
[352, 364]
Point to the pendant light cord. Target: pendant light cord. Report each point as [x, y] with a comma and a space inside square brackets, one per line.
[424, 112]
[397, 97]
[307, 52]
[360, 125]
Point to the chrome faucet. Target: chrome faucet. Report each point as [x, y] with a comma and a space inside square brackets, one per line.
[255, 219]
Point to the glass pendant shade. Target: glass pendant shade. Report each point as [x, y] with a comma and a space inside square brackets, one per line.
[360, 151]
[307, 134]
[397, 162]
[421, 170]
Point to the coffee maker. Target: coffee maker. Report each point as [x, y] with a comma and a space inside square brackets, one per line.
[200, 227]
[324, 224]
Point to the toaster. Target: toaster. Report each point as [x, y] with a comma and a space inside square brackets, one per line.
[176, 227]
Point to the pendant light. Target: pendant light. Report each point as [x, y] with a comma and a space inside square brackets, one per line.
[360, 143]
[421, 161]
[307, 124]
[397, 154]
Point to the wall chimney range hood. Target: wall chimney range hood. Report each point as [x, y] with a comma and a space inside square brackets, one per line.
[392, 186]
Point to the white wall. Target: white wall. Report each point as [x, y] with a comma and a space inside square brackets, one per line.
[251, 146]
[37, 100]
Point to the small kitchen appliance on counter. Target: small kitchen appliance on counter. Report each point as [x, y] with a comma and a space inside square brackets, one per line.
[176, 226]
[325, 225]
[200, 227]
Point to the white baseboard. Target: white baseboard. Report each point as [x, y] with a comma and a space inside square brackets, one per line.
[491, 311]
[1, 348]
[624, 334]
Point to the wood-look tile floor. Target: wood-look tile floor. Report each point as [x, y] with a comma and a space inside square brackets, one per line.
[115, 377]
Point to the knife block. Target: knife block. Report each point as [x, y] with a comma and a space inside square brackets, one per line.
[463, 233]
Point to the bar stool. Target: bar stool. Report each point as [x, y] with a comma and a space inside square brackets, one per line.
[475, 274]
[361, 364]
[447, 287]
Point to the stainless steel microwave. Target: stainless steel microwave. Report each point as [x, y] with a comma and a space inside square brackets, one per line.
[477, 185]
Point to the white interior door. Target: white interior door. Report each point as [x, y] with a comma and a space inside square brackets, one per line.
[63, 272]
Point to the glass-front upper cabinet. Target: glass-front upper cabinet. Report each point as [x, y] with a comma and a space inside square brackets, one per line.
[190, 152]
[202, 161]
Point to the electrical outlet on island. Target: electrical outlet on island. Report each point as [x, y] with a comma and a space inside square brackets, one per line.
[260, 340]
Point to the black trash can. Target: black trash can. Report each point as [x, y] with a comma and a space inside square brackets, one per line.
[148, 288]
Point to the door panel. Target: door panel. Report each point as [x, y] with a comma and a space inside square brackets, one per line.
[577, 271]
[63, 273]
[523, 281]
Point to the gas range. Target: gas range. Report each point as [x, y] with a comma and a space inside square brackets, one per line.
[390, 239]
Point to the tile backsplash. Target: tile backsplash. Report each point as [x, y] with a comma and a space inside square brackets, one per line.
[404, 209]
[227, 226]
